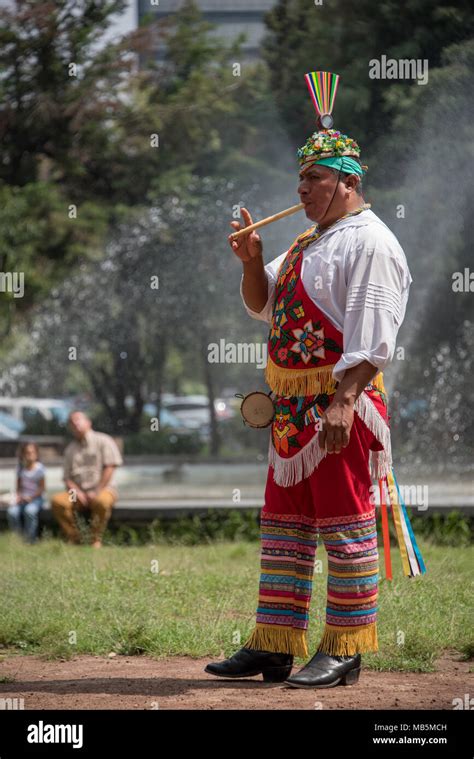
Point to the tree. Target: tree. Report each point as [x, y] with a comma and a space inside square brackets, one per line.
[40, 243]
[344, 37]
[109, 137]
[59, 88]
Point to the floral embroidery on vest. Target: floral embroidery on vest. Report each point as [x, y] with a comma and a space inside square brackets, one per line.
[296, 421]
[303, 345]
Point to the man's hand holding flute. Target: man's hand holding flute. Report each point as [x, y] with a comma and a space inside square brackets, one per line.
[249, 249]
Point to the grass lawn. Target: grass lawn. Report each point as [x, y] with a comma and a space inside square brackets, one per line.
[59, 600]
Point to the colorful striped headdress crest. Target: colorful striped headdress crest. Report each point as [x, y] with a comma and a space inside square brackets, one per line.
[322, 86]
[326, 142]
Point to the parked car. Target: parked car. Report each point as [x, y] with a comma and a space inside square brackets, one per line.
[167, 419]
[10, 428]
[24, 409]
[193, 410]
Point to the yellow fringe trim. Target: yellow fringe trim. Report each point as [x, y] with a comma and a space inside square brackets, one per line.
[347, 641]
[279, 639]
[310, 381]
[377, 382]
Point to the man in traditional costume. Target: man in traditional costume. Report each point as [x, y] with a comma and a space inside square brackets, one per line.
[335, 302]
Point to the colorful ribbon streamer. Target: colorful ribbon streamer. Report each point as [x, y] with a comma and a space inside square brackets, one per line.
[412, 561]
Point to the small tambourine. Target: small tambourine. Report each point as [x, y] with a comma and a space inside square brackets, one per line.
[257, 409]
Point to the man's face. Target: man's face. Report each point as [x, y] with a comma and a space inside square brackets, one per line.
[79, 424]
[316, 188]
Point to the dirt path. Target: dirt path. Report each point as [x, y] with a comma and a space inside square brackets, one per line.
[127, 682]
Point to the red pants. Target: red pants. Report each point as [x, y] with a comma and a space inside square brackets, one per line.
[335, 503]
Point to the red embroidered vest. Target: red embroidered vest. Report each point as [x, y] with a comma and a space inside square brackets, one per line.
[303, 347]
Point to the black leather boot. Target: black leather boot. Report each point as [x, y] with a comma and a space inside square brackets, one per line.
[247, 662]
[324, 671]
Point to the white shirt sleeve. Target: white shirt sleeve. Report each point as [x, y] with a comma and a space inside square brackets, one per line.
[378, 282]
[271, 270]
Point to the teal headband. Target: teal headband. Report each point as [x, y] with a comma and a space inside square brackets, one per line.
[344, 163]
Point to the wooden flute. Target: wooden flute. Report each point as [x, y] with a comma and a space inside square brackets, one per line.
[268, 220]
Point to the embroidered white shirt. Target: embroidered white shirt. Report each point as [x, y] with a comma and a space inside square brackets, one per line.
[357, 274]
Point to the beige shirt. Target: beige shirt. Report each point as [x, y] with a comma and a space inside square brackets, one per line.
[85, 459]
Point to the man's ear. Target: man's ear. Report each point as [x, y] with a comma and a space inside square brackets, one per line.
[351, 181]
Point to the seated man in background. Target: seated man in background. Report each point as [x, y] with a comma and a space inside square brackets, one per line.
[89, 465]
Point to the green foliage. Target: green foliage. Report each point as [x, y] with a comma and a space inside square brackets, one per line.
[56, 119]
[164, 442]
[39, 240]
[212, 525]
[453, 529]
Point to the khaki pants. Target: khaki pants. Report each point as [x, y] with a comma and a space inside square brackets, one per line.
[100, 508]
